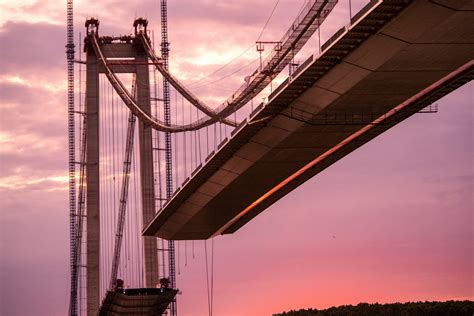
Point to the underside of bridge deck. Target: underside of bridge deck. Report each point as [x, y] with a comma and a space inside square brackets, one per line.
[395, 59]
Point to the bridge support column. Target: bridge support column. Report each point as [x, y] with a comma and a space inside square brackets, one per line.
[146, 170]
[92, 176]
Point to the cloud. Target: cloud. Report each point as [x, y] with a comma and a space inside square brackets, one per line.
[32, 132]
[32, 49]
[33, 11]
[32, 109]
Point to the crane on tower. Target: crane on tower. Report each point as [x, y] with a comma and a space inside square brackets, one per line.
[71, 156]
[168, 146]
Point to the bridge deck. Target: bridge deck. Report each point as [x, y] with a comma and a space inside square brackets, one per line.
[392, 57]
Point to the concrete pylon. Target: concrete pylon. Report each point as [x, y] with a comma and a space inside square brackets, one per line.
[146, 169]
[125, 50]
[93, 181]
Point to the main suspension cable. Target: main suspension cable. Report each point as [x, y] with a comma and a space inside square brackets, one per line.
[292, 42]
[131, 103]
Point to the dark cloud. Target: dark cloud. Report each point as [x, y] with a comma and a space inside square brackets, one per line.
[31, 47]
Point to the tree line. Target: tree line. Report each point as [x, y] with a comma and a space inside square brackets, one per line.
[448, 308]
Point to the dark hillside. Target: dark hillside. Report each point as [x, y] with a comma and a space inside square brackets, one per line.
[448, 308]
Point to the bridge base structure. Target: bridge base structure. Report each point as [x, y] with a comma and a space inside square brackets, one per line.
[396, 58]
[140, 302]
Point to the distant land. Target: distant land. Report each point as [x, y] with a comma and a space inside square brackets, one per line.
[448, 308]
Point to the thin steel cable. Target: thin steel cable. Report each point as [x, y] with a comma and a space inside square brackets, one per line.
[185, 253]
[175, 142]
[79, 218]
[111, 193]
[215, 136]
[115, 115]
[207, 140]
[268, 20]
[207, 280]
[193, 83]
[220, 133]
[163, 256]
[241, 54]
[103, 175]
[199, 139]
[183, 141]
[108, 192]
[228, 75]
[192, 136]
[178, 255]
[119, 215]
[109, 131]
[212, 275]
[136, 201]
[81, 211]
[196, 138]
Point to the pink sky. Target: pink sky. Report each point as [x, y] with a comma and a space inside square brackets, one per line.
[391, 222]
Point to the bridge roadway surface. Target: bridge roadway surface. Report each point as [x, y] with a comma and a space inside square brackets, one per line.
[397, 58]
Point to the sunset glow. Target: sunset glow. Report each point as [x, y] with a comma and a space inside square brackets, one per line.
[391, 222]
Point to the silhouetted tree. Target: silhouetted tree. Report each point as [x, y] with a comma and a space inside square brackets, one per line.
[449, 308]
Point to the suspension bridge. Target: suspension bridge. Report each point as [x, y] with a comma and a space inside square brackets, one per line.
[136, 133]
